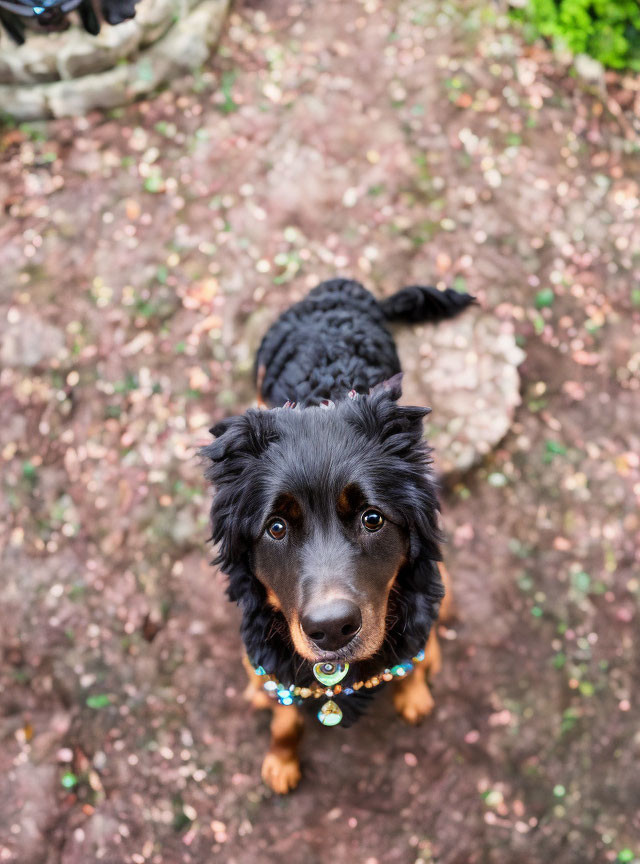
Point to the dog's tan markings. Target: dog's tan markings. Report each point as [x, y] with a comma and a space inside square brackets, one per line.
[343, 504]
[293, 510]
[375, 621]
[447, 607]
[299, 639]
[432, 663]
[262, 371]
[281, 766]
[411, 696]
[254, 694]
[273, 601]
[286, 505]
[349, 501]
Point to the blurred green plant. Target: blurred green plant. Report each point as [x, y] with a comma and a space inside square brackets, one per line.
[607, 30]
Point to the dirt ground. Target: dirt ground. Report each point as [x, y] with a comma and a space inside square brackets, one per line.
[142, 253]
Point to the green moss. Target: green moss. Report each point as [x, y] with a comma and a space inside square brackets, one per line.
[608, 30]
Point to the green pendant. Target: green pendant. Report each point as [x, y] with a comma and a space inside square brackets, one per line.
[330, 714]
[330, 674]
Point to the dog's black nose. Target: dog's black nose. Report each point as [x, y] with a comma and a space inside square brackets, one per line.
[331, 625]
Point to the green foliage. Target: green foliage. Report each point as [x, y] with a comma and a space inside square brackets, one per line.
[100, 700]
[608, 30]
[69, 780]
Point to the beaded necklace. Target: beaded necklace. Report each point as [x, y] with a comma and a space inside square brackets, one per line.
[330, 675]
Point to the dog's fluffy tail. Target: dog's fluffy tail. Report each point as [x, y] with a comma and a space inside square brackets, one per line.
[419, 303]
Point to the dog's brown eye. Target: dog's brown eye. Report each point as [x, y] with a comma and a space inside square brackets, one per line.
[277, 529]
[372, 520]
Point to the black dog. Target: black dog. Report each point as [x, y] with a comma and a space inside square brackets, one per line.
[326, 515]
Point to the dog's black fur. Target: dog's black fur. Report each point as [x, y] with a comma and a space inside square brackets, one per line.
[334, 341]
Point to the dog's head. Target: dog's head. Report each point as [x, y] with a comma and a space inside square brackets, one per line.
[320, 514]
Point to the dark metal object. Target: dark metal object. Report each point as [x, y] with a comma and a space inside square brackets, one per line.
[51, 14]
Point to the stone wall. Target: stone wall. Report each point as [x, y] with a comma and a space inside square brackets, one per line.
[69, 73]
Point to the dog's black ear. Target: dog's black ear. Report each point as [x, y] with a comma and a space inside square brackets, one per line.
[397, 427]
[404, 472]
[237, 439]
[392, 387]
[231, 465]
[405, 466]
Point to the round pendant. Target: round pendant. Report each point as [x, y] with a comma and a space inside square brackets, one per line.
[330, 714]
[330, 673]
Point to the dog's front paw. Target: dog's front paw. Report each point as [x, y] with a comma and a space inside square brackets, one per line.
[281, 773]
[413, 700]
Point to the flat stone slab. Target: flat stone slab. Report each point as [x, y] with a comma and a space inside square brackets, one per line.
[466, 371]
